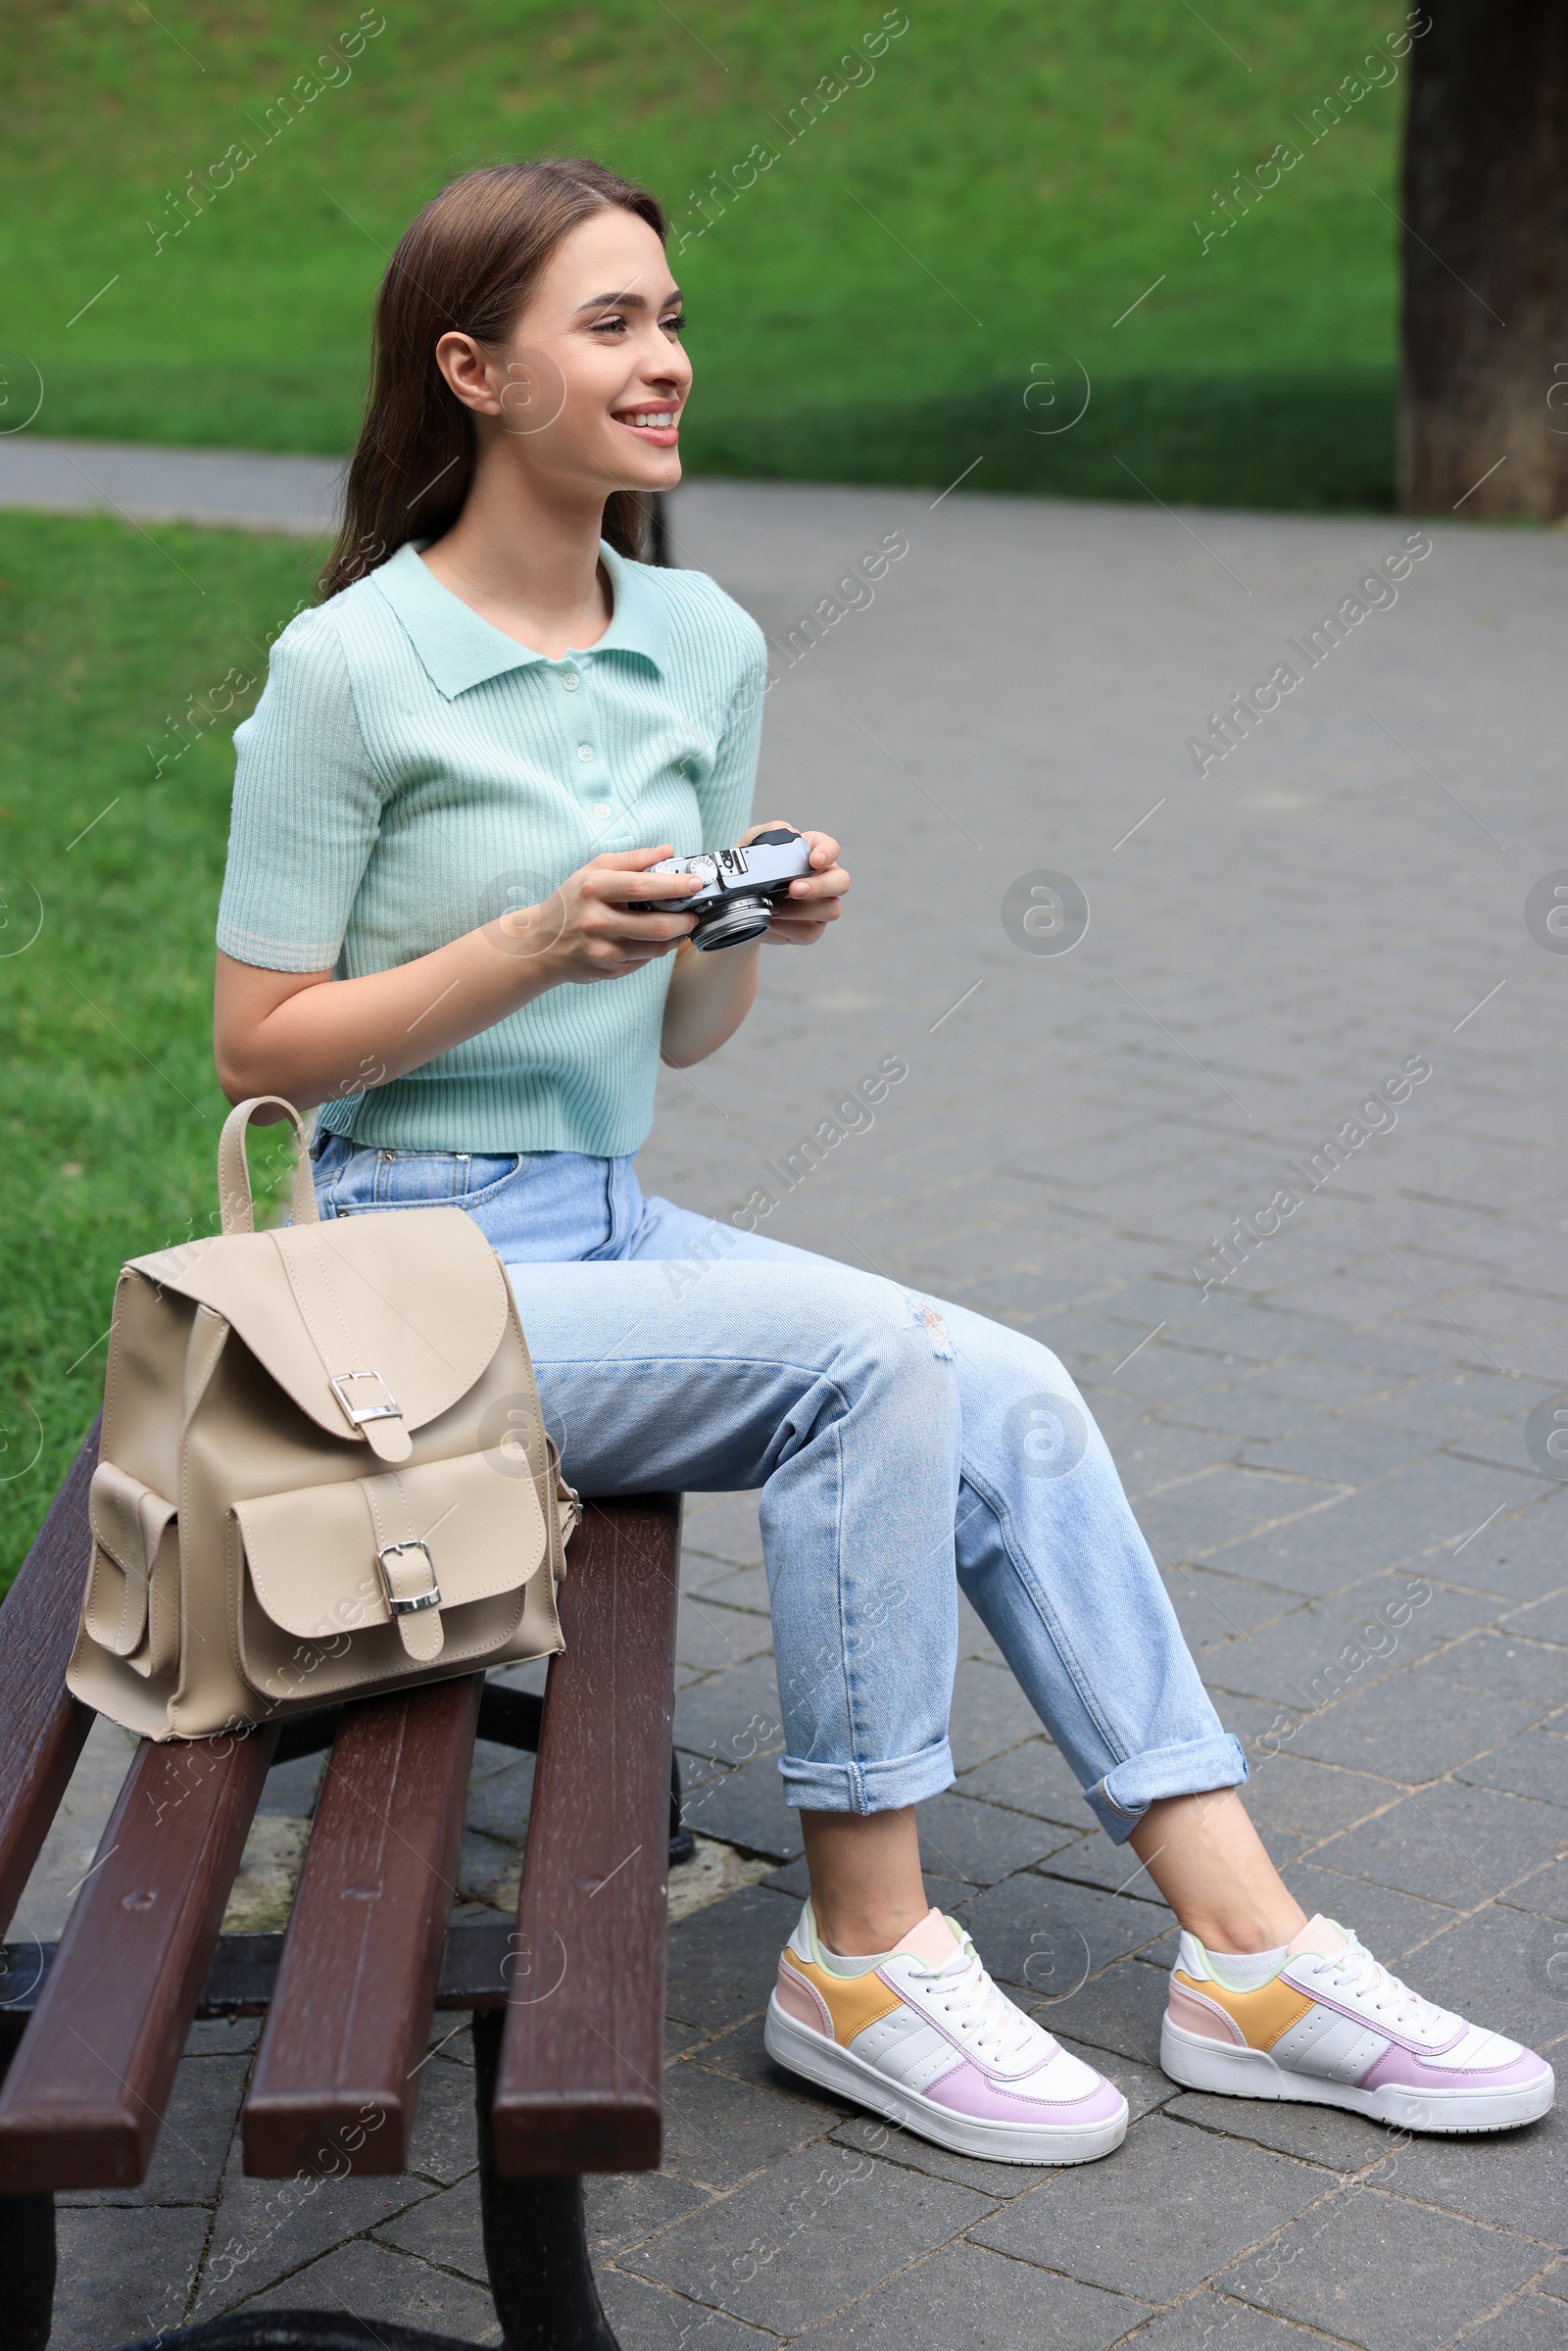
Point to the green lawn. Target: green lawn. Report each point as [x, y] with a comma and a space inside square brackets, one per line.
[985, 197]
[111, 1115]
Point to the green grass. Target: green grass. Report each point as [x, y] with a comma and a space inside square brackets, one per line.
[109, 1128]
[1012, 179]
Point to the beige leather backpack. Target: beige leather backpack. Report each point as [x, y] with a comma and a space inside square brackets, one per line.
[323, 1470]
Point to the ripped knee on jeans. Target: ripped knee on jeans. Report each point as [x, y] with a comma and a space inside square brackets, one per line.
[928, 1314]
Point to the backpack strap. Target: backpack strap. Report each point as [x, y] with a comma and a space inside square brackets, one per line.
[234, 1176]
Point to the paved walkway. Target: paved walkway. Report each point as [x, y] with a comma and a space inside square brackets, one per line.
[1338, 1455]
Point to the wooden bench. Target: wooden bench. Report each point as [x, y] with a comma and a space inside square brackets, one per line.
[568, 2004]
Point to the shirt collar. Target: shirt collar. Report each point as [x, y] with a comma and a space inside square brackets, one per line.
[458, 649]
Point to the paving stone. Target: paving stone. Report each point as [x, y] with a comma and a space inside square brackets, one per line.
[1530, 2322]
[1245, 1416]
[370, 2282]
[1160, 2215]
[744, 1589]
[1520, 1555]
[1034, 1777]
[731, 1716]
[266, 2228]
[1390, 1924]
[1502, 1970]
[1192, 1521]
[1118, 2013]
[806, 2236]
[198, 2127]
[1287, 1790]
[1402, 1517]
[746, 1808]
[708, 1634]
[723, 1526]
[1319, 1653]
[499, 1803]
[720, 2129]
[1536, 1765]
[291, 1788]
[1208, 2322]
[644, 2318]
[446, 2129]
[869, 2136]
[740, 2054]
[123, 2273]
[1383, 2273]
[723, 1961]
[1452, 1844]
[1094, 1860]
[1046, 1934]
[1543, 1620]
[1514, 2179]
[1323, 2135]
[1349, 1451]
[444, 2228]
[223, 2035]
[990, 1713]
[1545, 1893]
[944, 1892]
[975, 1843]
[965, 2295]
[1212, 1608]
[1413, 1727]
[1509, 1669]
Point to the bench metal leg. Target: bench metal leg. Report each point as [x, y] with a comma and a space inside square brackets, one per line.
[27, 2269]
[682, 1843]
[535, 2240]
[27, 2245]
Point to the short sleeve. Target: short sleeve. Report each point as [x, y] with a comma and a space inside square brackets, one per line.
[725, 794]
[306, 812]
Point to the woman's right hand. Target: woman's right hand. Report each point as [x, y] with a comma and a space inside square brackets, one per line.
[588, 928]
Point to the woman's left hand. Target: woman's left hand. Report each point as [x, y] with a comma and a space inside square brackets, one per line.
[800, 920]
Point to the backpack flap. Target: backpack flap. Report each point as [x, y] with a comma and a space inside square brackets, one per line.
[370, 1337]
[403, 1549]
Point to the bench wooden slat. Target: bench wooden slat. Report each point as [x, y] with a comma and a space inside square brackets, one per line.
[579, 2082]
[42, 1727]
[86, 2091]
[339, 2069]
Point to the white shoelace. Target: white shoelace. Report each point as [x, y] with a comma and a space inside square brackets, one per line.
[988, 2019]
[1370, 1984]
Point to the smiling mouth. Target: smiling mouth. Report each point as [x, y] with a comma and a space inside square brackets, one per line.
[653, 420]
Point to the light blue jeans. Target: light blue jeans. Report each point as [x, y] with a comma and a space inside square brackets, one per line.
[893, 1438]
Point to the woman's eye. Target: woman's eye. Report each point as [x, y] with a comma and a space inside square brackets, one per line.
[675, 324]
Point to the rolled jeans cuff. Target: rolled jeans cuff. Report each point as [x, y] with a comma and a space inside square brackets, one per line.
[1122, 1797]
[868, 1787]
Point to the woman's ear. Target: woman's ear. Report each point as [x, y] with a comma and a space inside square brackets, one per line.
[462, 361]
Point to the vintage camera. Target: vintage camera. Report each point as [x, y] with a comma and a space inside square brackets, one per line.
[739, 887]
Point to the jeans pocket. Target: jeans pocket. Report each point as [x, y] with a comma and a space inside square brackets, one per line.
[367, 1180]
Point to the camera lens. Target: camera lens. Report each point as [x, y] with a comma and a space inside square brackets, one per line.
[733, 921]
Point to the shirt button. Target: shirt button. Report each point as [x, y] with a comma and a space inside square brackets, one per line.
[602, 814]
[572, 681]
[585, 751]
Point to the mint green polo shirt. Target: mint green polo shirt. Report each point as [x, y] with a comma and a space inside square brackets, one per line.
[411, 773]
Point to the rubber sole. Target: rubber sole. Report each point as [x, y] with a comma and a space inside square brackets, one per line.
[1227, 2072]
[801, 2051]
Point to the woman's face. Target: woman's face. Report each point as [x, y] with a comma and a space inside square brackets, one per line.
[590, 385]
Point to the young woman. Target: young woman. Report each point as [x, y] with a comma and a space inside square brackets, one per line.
[435, 924]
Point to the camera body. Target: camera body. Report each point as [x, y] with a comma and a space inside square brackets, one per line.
[740, 887]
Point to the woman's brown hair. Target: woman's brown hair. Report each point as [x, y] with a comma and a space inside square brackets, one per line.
[467, 264]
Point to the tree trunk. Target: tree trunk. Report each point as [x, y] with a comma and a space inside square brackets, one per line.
[1484, 397]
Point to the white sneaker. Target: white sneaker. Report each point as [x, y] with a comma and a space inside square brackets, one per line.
[924, 2038]
[1332, 2026]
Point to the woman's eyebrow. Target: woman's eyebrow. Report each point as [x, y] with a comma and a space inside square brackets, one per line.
[627, 301]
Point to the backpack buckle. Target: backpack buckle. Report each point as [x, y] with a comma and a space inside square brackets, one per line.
[423, 1599]
[359, 1414]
